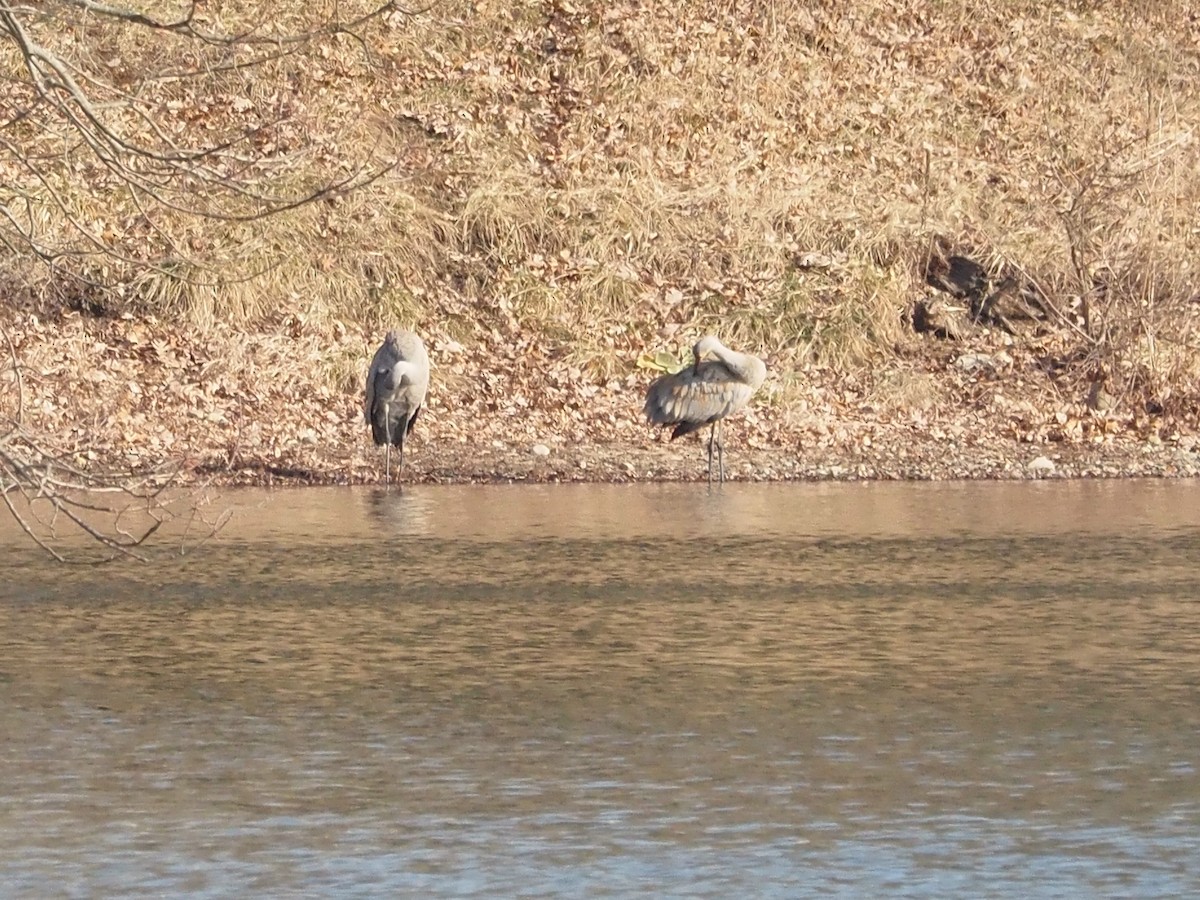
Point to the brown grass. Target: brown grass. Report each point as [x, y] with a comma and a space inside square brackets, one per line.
[619, 176]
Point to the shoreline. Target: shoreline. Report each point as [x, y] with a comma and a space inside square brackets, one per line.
[688, 464]
[263, 408]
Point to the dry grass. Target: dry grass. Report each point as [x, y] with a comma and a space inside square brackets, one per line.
[626, 175]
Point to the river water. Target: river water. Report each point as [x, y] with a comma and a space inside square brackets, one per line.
[902, 690]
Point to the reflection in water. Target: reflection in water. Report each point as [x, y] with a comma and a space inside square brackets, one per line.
[900, 690]
[398, 512]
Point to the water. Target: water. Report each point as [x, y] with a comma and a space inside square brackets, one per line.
[765, 690]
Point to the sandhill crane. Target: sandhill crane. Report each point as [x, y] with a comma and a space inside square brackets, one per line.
[705, 393]
[396, 385]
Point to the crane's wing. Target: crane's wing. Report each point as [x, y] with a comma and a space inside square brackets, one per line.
[382, 363]
[416, 371]
[694, 397]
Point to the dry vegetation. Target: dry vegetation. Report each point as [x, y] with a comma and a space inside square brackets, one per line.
[550, 191]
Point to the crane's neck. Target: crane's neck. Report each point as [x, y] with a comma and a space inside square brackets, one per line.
[404, 372]
[746, 368]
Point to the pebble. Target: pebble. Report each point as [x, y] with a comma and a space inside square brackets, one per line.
[541, 450]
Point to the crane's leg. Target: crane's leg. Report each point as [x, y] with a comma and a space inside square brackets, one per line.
[711, 434]
[720, 454]
[387, 448]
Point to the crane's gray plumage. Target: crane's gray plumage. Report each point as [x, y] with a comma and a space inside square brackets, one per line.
[396, 386]
[705, 393]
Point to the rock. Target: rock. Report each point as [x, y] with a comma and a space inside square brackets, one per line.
[812, 260]
[1042, 464]
[541, 450]
[960, 276]
[992, 362]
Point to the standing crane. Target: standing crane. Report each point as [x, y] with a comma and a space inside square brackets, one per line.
[704, 393]
[396, 385]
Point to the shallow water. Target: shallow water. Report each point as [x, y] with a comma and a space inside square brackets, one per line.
[773, 690]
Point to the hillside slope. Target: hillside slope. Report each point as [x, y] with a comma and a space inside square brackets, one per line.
[568, 189]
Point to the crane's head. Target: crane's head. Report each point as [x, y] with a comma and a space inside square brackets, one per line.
[706, 344]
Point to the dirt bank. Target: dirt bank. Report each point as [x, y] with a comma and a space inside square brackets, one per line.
[258, 408]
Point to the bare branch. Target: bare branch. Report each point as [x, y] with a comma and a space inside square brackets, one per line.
[55, 493]
[75, 128]
[43, 480]
[19, 414]
[186, 25]
[227, 180]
